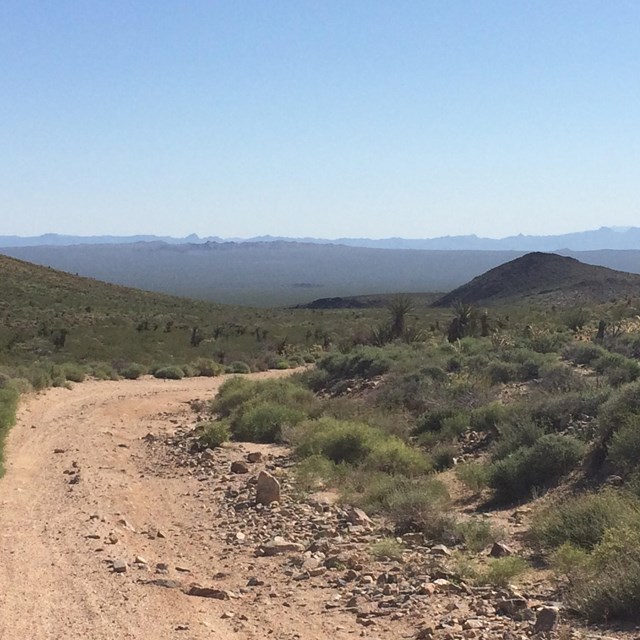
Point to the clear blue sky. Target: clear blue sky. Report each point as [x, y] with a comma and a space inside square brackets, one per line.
[326, 118]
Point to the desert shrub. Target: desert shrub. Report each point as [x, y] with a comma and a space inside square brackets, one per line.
[315, 471]
[438, 419]
[611, 589]
[557, 412]
[561, 378]
[169, 373]
[264, 421]
[443, 456]
[39, 378]
[281, 364]
[616, 368]
[207, 368]
[133, 371]
[501, 571]
[73, 372]
[232, 393]
[103, 371]
[387, 548]
[623, 454]
[473, 475]
[420, 505]
[364, 362]
[521, 432]
[478, 533]
[535, 467]
[8, 407]
[582, 520]
[189, 371]
[618, 410]
[214, 433]
[239, 367]
[391, 455]
[582, 352]
[338, 440]
[502, 372]
[488, 418]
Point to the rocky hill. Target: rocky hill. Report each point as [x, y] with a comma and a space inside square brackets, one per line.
[545, 277]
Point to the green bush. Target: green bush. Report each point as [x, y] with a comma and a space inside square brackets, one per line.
[264, 421]
[622, 407]
[364, 362]
[207, 368]
[339, 441]
[169, 373]
[394, 457]
[8, 408]
[478, 533]
[488, 418]
[611, 588]
[535, 467]
[521, 432]
[133, 371]
[473, 475]
[623, 454]
[239, 367]
[214, 433]
[501, 571]
[583, 520]
[443, 456]
[583, 352]
[232, 393]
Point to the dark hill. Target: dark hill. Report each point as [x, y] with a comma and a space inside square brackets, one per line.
[546, 277]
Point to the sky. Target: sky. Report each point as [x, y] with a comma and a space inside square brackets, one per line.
[327, 118]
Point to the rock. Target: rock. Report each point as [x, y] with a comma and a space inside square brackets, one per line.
[440, 550]
[239, 467]
[165, 583]
[473, 623]
[267, 489]
[413, 539]
[119, 566]
[126, 524]
[58, 451]
[359, 518]
[512, 607]
[208, 455]
[500, 550]
[546, 619]
[207, 592]
[140, 560]
[254, 456]
[113, 538]
[279, 546]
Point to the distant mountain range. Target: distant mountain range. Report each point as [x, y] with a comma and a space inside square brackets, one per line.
[618, 238]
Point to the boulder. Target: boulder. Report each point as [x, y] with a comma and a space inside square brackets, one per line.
[267, 489]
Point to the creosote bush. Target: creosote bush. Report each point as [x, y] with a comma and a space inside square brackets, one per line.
[538, 466]
[214, 433]
[169, 373]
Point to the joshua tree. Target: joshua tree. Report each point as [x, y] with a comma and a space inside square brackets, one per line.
[399, 308]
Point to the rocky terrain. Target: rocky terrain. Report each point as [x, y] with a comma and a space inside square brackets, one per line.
[117, 524]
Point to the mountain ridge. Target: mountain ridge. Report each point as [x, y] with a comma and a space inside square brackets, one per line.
[596, 239]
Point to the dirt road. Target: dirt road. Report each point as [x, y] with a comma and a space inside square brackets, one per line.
[57, 534]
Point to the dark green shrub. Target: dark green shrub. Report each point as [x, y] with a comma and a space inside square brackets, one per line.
[214, 433]
[364, 362]
[618, 410]
[339, 441]
[520, 432]
[624, 448]
[488, 418]
[207, 368]
[583, 352]
[233, 393]
[536, 467]
[583, 520]
[169, 373]
[73, 372]
[263, 421]
[394, 457]
[133, 371]
[443, 456]
[239, 367]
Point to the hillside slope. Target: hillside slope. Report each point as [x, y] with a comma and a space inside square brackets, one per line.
[545, 277]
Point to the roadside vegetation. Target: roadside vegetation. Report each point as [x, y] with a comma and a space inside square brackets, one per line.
[408, 411]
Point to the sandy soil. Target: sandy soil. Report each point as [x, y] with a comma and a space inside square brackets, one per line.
[56, 579]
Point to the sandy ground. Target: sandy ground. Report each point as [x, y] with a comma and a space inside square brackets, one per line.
[56, 580]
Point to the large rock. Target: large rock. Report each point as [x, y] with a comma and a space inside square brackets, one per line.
[279, 545]
[267, 489]
[546, 619]
[239, 467]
